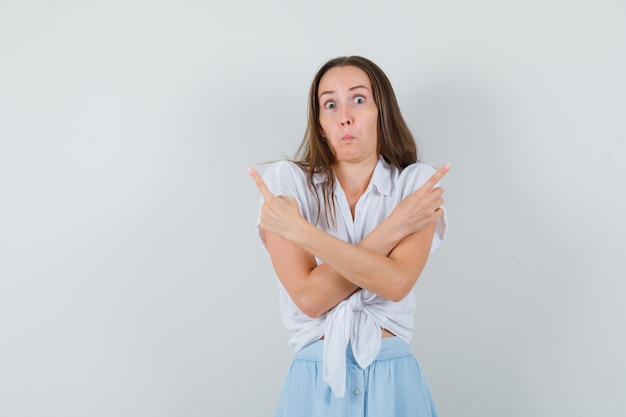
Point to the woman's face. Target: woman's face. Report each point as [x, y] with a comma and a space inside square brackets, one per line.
[348, 114]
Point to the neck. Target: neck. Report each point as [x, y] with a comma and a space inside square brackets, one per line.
[355, 177]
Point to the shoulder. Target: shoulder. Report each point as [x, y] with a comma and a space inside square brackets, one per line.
[414, 176]
[284, 177]
[283, 167]
[418, 169]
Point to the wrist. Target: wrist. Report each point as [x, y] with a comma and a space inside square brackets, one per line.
[299, 231]
[393, 230]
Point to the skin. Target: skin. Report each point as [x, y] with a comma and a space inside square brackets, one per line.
[390, 259]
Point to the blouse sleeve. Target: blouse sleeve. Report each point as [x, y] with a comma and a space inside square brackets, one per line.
[414, 177]
[282, 178]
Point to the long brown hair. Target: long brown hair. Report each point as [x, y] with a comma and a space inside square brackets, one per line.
[395, 142]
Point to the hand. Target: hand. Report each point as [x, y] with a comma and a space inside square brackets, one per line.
[422, 207]
[279, 214]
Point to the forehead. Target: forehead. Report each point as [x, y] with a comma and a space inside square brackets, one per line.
[343, 78]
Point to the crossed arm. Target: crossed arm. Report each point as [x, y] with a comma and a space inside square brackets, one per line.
[387, 262]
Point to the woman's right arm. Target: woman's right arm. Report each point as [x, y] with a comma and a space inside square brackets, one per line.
[316, 289]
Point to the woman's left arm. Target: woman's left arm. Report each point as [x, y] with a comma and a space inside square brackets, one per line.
[391, 276]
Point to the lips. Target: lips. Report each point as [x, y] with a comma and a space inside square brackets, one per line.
[347, 137]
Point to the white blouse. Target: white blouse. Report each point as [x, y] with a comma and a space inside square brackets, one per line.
[357, 320]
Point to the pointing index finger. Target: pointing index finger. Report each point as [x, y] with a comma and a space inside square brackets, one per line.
[437, 176]
[260, 183]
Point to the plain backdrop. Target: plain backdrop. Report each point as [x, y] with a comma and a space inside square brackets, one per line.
[132, 283]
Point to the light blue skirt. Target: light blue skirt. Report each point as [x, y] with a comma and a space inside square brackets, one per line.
[392, 386]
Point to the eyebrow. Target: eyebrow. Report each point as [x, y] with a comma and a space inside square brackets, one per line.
[356, 87]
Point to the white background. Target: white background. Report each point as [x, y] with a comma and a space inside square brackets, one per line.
[131, 280]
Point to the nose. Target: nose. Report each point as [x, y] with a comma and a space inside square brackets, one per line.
[346, 118]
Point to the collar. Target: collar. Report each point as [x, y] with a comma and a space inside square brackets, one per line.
[381, 178]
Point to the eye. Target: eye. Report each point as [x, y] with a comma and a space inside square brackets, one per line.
[359, 100]
[330, 105]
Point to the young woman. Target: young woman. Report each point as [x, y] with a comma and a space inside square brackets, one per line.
[349, 225]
